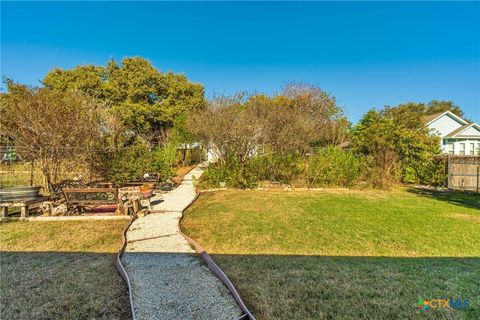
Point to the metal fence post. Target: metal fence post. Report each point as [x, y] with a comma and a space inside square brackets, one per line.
[478, 177]
[449, 168]
[32, 168]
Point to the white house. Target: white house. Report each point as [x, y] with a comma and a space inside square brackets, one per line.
[457, 136]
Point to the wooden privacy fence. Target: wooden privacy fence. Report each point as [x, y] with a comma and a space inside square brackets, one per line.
[464, 173]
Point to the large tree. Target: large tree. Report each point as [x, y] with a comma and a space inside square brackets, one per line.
[53, 128]
[147, 100]
[397, 144]
[291, 122]
[412, 114]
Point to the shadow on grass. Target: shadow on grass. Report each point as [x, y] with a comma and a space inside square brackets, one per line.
[57, 285]
[322, 287]
[61, 285]
[468, 200]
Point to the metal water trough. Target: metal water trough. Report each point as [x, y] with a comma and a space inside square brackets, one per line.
[20, 193]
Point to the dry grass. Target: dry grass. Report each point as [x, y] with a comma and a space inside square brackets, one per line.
[19, 174]
[61, 270]
[181, 172]
[62, 236]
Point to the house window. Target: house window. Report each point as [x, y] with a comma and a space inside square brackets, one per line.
[472, 149]
[462, 149]
[478, 149]
[450, 148]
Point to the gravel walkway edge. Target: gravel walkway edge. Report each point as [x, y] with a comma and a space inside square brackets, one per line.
[168, 279]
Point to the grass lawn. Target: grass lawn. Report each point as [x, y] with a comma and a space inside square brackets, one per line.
[61, 270]
[345, 254]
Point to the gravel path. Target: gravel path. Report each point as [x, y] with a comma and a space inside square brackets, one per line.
[169, 281]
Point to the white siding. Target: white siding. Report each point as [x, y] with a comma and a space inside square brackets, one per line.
[471, 132]
[211, 156]
[444, 125]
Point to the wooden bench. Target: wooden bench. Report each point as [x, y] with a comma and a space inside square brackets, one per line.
[79, 198]
[56, 190]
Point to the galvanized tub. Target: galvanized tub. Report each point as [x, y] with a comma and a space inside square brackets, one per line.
[19, 193]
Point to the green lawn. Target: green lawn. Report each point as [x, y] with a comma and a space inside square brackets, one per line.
[61, 270]
[345, 254]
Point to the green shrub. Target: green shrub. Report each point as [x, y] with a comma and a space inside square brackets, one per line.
[423, 169]
[130, 164]
[232, 174]
[329, 167]
[398, 146]
[163, 160]
[333, 167]
[275, 168]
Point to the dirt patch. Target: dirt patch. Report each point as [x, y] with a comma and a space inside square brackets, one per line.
[181, 172]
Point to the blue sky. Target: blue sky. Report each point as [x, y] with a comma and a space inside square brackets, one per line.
[367, 54]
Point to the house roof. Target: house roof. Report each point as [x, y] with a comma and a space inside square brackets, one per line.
[432, 117]
[457, 132]
[429, 119]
